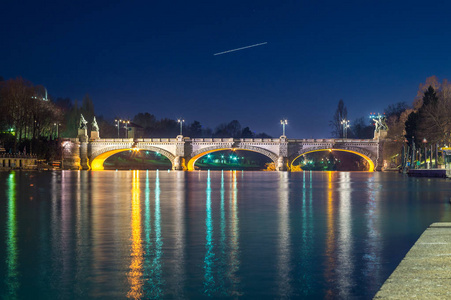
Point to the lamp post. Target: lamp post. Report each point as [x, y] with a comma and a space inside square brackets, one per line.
[180, 121]
[118, 122]
[425, 153]
[345, 124]
[57, 124]
[126, 127]
[283, 122]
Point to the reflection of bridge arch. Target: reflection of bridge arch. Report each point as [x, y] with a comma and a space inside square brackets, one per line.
[203, 151]
[367, 155]
[98, 157]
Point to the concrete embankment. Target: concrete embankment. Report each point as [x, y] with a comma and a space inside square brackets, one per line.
[425, 272]
[428, 173]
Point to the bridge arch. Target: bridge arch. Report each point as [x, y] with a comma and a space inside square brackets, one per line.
[98, 157]
[367, 155]
[204, 151]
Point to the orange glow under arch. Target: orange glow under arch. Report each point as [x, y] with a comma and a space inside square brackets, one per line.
[193, 160]
[97, 163]
[370, 162]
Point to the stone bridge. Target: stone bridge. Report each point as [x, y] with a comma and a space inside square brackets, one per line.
[84, 153]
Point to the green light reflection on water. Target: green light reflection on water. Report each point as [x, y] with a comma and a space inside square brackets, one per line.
[223, 250]
[147, 232]
[155, 282]
[209, 281]
[158, 240]
[11, 240]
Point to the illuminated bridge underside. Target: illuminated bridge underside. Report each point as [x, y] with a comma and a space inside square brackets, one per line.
[367, 158]
[205, 151]
[99, 158]
[85, 153]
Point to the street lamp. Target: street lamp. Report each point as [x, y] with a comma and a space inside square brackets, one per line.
[117, 125]
[425, 141]
[181, 125]
[126, 127]
[283, 122]
[345, 124]
[57, 124]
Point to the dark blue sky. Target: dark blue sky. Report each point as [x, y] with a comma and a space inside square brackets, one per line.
[157, 56]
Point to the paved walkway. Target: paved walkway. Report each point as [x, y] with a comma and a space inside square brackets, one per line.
[425, 272]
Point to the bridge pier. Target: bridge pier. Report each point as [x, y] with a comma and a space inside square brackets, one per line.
[71, 154]
[177, 164]
[83, 138]
[84, 156]
[282, 164]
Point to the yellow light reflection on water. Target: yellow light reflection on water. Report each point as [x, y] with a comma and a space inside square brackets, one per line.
[136, 266]
[330, 242]
[234, 265]
[11, 240]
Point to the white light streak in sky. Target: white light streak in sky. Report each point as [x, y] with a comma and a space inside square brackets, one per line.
[238, 49]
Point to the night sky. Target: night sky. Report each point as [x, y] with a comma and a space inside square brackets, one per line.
[157, 57]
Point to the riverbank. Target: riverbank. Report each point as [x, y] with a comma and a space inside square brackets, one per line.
[425, 272]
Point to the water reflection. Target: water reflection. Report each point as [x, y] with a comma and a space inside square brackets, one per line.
[283, 252]
[372, 242]
[178, 269]
[222, 258]
[147, 229]
[136, 265]
[12, 281]
[126, 234]
[62, 241]
[306, 280]
[83, 223]
[345, 264]
[209, 281]
[330, 265]
[234, 261]
[222, 244]
[154, 266]
[222, 251]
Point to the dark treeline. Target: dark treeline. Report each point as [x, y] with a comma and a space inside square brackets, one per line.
[168, 128]
[424, 124]
[31, 120]
[28, 118]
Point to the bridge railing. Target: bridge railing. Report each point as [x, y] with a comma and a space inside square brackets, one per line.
[153, 140]
[351, 141]
[249, 140]
[113, 140]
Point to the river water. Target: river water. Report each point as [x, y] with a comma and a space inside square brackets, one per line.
[160, 234]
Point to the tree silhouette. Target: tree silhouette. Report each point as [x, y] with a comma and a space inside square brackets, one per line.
[340, 114]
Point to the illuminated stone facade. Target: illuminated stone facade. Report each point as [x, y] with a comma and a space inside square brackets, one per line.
[81, 153]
